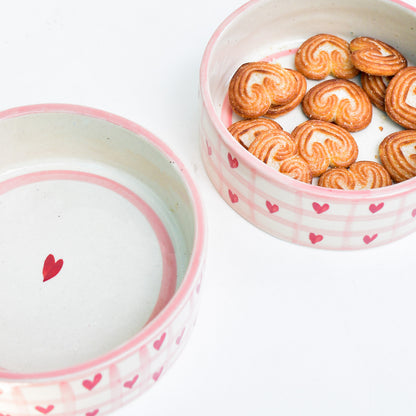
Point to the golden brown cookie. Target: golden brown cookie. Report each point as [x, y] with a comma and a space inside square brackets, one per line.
[375, 57]
[360, 175]
[255, 86]
[323, 145]
[245, 131]
[375, 87]
[400, 100]
[276, 110]
[340, 101]
[279, 150]
[398, 154]
[323, 55]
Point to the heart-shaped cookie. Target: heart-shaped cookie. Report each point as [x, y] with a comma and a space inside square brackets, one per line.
[245, 131]
[323, 145]
[255, 86]
[398, 154]
[279, 150]
[375, 57]
[299, 89]
[360, 175]
[340, 101]
[323, 55]
[400, 100]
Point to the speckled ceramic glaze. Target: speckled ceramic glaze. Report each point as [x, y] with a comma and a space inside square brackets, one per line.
[288, 209]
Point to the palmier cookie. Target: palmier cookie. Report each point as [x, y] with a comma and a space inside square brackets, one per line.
[257, 85]
[398, 154]
[375, 87]
[323, 145]
[375, 57]
[276, 110]
[340, 101]
[277, 149]
[245, 131]
[400, 101]
[360, 175]
[323, 55]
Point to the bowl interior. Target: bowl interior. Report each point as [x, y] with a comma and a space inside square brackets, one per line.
[98, 227]
[273, 30]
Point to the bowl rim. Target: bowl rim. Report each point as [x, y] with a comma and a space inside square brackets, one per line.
[152, 328]
[260, 168]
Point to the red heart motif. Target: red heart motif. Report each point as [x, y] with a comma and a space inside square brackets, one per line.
[315, 238]
[158, 343]
[319, 209]
[179, 339]
[45, 410]
[1, 414]
[232, 161]
[157, 374]
[367, 239]
[130, 383]
[93, 413]
[233, 196]
[374, 208]
[90, 384]
[208, 148]
[51, 267]
[414, 213]
[272, 207]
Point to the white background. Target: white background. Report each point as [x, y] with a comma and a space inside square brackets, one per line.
[282, 330]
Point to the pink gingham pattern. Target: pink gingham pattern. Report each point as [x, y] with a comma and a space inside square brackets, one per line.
[302, 213]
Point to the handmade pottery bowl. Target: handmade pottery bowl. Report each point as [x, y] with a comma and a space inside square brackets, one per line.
[102, 248]
[288, 209]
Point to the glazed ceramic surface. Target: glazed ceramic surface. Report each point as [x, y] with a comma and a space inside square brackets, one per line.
[102, 252]
[301, 213]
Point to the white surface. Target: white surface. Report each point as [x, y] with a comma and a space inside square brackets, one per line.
[282, 329]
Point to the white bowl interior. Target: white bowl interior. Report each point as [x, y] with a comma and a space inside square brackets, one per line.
[114, 208]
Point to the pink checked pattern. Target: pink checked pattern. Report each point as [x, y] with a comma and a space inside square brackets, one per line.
[110, 385]
[301, 213]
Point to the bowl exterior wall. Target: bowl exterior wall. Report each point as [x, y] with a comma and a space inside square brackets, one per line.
[105, 388]
[311, 218]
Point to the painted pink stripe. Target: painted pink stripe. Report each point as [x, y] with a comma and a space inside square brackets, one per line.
[280, 54]
[68, 399]
[19, 399]
[404, 4]
[115, 386]
[328, 216]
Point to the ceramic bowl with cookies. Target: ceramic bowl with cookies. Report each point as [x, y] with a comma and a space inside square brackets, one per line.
[308, 126]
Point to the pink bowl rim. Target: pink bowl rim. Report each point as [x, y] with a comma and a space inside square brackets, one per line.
[196, 261]
[266, 171]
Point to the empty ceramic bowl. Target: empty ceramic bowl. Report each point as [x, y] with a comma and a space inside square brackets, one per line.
[102, 248]
[291, 210]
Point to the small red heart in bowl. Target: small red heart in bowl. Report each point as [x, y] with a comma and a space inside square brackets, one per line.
[51, 267]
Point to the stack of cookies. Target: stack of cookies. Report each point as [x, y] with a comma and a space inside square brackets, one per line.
[323, 147]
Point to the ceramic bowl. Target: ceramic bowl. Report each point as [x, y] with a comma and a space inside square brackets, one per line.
[102, 248]
[288, 209]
